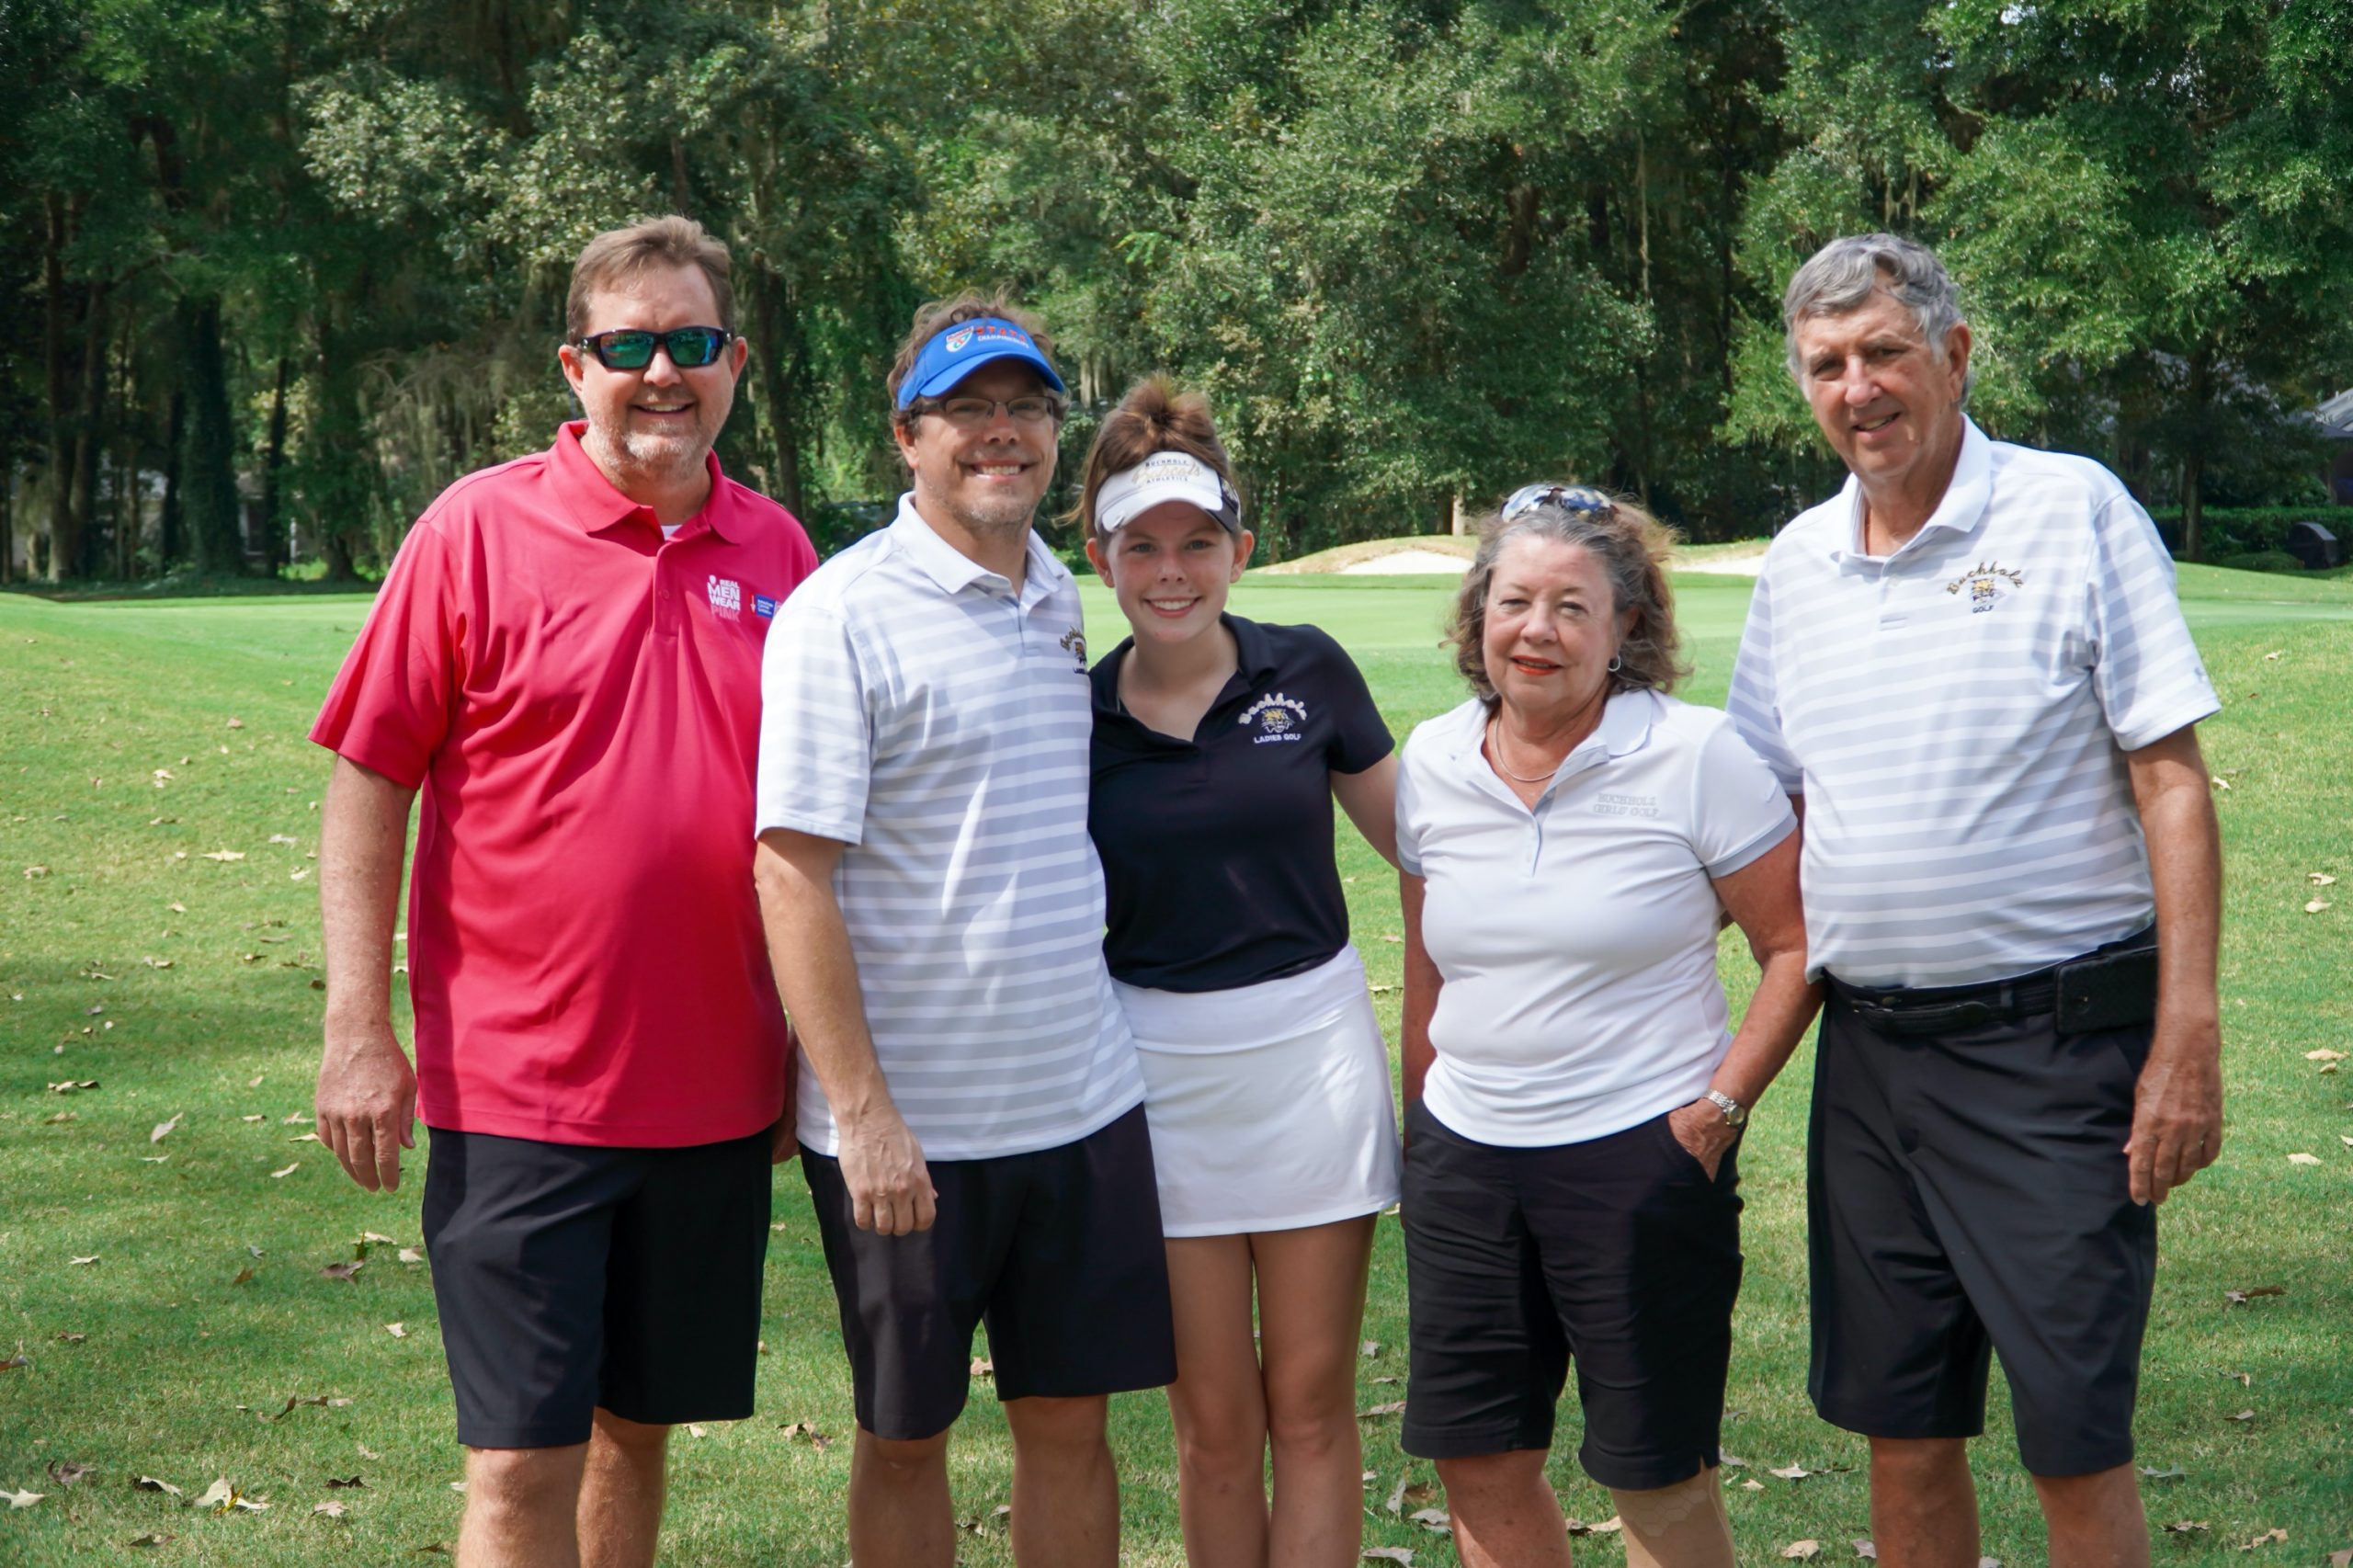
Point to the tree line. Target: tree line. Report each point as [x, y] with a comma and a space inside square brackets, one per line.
[283, 268]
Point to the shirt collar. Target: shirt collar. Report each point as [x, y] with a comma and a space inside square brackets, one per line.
[1958, 514]
[596, 504]
[954, 571]
[1625, 728]
[1254, 664]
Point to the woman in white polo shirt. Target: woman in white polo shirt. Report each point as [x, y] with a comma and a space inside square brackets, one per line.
[1220, 744]
[1569, 840]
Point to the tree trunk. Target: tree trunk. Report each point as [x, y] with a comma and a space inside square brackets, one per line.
[61, 543]
[207, 476]
[89, 436]
[170, 544]
[780, 347]
[273, 529]
[8, 524]
[2193, 462]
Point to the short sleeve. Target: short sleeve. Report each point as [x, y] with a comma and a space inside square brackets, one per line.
[816, 735]
[391, 703]
[1739, 810]
[2145, 668]
[1360, 738]
[1755, 703]
[1409, 825]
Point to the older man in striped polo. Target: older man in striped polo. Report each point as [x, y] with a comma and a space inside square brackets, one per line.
[971, 1106]
[1971, 669]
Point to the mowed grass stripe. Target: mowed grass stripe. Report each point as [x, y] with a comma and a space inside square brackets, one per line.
[94, 699]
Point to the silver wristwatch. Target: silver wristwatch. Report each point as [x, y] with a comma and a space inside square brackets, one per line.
[1736, 1113]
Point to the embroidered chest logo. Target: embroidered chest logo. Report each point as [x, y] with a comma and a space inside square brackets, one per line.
[1610, 806]
[1985, 584]
[1074, 642]
[726, 596]
[764, 606]
[1275, 716]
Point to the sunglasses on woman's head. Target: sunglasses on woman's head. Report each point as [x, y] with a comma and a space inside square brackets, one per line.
[1567, 497]
[690, 347]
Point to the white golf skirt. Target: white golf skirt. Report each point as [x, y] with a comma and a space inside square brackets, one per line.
[1269, 1104]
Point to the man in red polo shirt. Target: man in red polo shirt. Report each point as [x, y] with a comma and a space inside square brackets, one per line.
[565, 660]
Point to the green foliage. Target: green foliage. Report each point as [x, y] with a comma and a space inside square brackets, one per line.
[1418, 251]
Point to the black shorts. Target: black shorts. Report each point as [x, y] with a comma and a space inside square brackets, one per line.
[571, 1277]
[1618, 1252]
[1059, 1252]
[1968, 1192]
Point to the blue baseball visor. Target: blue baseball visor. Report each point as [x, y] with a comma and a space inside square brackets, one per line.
[956, 352]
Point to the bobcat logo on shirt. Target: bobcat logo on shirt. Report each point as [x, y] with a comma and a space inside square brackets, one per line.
[726, 596]
[1984, 585]
[1074, 642]
[1276, 717]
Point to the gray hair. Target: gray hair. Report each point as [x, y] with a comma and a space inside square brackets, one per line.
[1631, 547]
[1843, 275]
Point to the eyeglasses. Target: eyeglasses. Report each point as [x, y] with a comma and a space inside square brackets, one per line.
[690, 347]
[972, 412]
[1567, 497]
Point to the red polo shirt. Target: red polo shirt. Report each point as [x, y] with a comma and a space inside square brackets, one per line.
[578, 702]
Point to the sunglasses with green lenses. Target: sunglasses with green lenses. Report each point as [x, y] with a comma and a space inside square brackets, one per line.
[690, 347]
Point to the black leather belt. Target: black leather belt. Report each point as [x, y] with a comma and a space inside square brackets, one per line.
[1942, 1009]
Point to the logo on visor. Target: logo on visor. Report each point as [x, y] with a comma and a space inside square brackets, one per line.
[956, 340]
[726, 596]
[1275, 718]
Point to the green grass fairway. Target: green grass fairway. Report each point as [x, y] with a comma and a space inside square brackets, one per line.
[139, 742]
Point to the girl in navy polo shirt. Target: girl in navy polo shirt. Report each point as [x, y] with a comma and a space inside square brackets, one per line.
[1220, 744]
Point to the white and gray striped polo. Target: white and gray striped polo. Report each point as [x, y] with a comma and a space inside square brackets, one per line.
[920, 712]
[1956, 714]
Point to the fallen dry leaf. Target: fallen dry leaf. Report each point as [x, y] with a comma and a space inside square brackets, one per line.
[2301, 1158]
[73, 1086]
[1393, 1407]
[224, 855]
[2321, 878]
[21, 1499]
[2341, 1559]
[806, 1432]
[66, 1473]
[331, 1401]
[1864, 1549]
[1389, 1554]
[1794, 1473]
[1802, 1551]
[2184, 1526]
[352, 1483]
[331, 1510]
[1369, 1348]
[151, 1540]
[2266, 1539]
[397, 1330]
[982, 1366]
[82, 1262]
[216, 1496]
[61, 1117]
[17, 1362]
[1433, 1520]
[1751, 1484]
[343, 1271]
[694, 1431]
[2244, 1379]
[165, 1129]
[410, 1254]
[2241, 1298]
[149, 1484]
[304, 1138]
[283, 1173]
[2244, 1415]
[2315, 906]
[2171, 1473]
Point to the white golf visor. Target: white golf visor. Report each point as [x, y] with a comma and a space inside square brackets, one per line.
[1165, 476]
